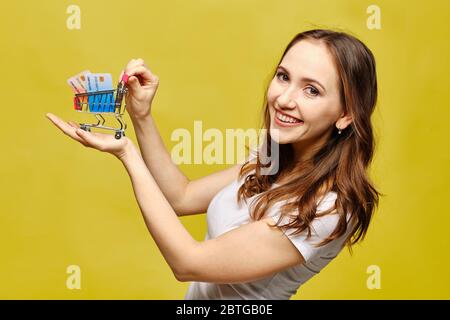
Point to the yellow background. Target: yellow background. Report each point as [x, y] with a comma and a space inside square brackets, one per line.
[62, 204]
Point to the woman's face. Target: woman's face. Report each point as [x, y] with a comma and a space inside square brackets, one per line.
[306, 88]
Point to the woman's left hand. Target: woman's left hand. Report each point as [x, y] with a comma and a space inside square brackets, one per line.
[100, 141]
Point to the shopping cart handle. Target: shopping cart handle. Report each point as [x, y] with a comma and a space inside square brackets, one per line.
[125, 78]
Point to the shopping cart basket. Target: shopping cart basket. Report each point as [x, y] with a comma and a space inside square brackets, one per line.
[107, 102]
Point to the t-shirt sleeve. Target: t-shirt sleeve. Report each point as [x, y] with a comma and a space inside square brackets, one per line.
[321, 228]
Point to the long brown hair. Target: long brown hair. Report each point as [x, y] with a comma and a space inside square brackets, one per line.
[340, 165]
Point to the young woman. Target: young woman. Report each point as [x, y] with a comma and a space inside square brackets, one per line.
[318, 105]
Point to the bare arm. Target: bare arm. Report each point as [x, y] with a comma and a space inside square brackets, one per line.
[186, 197]
[250, 252]
[169, 177]
[246, 253]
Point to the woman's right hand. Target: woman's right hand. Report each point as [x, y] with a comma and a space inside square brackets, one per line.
[142, 85]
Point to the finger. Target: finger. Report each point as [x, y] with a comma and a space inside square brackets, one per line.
[130, 64]
[90, 139]
[73, 124]
[137, 62]
[133, 83]
[138, 70]
[64, 127]
[134, 63]
[143, 73]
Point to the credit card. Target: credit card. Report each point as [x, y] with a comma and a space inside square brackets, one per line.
[99, 82]
[87, 82]
[78, 85]
[103, 83]
[91, 86]
[78, 82]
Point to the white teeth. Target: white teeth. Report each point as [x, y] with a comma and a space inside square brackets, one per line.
[285, 118]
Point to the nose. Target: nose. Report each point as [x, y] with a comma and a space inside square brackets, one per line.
[286, 99]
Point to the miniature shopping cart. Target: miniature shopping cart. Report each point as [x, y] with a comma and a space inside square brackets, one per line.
[107, 102]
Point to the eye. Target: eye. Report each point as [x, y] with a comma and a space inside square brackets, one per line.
[279, 73]
[313, 91]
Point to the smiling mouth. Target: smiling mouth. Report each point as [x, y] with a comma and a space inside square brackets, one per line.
[286, 120]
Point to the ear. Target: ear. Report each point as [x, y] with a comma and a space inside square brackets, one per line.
[344, 121]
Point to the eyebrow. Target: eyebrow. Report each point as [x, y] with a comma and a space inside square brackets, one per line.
[303, 79]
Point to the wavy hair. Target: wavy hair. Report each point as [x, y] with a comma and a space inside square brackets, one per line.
[340, 165]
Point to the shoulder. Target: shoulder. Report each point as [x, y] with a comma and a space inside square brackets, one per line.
[326, 201]
[326, 224]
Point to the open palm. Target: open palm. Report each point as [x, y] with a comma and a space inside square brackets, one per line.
[100, 141]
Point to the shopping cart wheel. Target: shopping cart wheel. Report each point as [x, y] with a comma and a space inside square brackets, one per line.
[85, 127]
[118, 135]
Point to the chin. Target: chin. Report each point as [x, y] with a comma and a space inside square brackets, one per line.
[279, 136]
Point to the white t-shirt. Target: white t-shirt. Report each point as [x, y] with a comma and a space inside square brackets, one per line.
[224, 214]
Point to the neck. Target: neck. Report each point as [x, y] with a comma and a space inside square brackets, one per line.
[304, 150]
